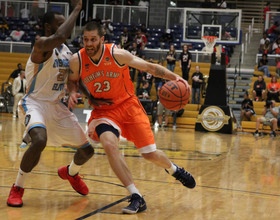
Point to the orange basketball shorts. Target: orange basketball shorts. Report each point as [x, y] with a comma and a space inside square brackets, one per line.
[130, 119]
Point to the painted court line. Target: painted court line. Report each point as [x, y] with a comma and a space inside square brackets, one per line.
[103, 208]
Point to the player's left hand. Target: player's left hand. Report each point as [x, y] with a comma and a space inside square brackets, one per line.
[178, 78]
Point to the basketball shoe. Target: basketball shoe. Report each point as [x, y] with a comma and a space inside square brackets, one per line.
[76, 181]
[137, 204]
[15, 197]
[184, 177]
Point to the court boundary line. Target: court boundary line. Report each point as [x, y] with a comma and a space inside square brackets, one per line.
[103, 208]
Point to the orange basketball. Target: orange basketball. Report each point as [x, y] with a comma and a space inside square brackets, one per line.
[174, 95]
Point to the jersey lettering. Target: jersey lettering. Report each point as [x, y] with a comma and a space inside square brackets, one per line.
[58, 86]
[106, 86]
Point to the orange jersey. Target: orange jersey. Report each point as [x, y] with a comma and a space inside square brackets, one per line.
[106, 79]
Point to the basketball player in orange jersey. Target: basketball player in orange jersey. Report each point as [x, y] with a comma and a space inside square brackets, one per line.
[103, 70]
[47, 120]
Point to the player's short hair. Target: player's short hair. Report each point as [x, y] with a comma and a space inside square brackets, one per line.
[48, 17]
[92, 26]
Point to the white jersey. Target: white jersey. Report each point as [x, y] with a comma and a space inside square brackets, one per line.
[46, 81]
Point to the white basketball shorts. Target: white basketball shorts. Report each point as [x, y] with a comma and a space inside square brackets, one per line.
[63, 128]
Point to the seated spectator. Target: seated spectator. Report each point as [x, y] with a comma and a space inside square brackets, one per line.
[262, 41]
[167, 37]
[273, 89]
[263, 65]
[140, 40]
[269, 118]
[16, 35]
[247, 108]
[125, 39]
[143, 92]
[4, 26]
[259, 89]
[19, 88]
[266, 48]
[276, 46]
[197, 80]
[16, 72]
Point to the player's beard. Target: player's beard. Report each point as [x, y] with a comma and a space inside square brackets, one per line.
[95, 50]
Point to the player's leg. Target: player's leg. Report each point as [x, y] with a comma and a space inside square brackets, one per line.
[159, 158]
[108, 136]
[29, 160]
[139, 131]
[68, 130]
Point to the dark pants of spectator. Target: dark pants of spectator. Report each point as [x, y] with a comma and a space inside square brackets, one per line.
[157, 86]
[132, 73]
[185, 72]
[274, 96]
[195, 92]
[139, 81]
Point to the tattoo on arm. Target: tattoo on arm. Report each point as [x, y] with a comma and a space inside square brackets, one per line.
[160, 72]
[70, 72]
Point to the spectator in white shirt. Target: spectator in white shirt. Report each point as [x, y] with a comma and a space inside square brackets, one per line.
[262, 41]
[16, 35]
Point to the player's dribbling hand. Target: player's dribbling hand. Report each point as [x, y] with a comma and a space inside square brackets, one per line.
[100, 102]
[76, 3]
[73, 99]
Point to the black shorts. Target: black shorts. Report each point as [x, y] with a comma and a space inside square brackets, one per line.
[259, 92]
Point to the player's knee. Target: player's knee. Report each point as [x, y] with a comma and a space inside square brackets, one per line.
[149, 156]
[110, 147]
[87, 152]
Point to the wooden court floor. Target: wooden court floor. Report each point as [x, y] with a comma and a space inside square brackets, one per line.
[237, 178]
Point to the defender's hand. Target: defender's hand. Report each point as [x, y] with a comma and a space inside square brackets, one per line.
[77, 3]
[73, 99]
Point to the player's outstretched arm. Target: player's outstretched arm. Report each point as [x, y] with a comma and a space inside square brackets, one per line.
[46, 44]
[124, 57]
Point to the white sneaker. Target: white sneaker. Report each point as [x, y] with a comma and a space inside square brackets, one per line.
[14, 116]
[174, 127]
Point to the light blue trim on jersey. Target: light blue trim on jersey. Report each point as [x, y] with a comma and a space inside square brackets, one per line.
[37, 126]
[31, 87]
[75, 148]
[34, 80]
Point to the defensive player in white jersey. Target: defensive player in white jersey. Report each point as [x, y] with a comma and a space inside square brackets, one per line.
[47, 120]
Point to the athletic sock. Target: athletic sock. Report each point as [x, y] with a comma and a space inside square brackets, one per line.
[21, 177]
[73, 169]
[172, 169]
[132, 189]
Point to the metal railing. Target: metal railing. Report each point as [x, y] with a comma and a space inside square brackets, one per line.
[36, 9]
[122, 14]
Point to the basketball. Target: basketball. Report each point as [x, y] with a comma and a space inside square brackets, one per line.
[174, 95]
